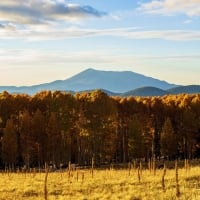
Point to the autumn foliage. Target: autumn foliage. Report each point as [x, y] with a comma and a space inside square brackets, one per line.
[57, 127]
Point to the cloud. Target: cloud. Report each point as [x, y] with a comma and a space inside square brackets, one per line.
[44, 11]
[173, 35]
[6, 27]
[49, 20]
[15, 58]
[1, 26]
[173, 57]
[187, 21]
[45, 33]
[170, 7]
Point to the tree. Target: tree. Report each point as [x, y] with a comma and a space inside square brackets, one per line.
[96, 117]
[54, 140]
[9, 144]
[157, 110]
[168, 140]
[61, 127]
[26, 138]
[39, 137]
[188, 131]
[136, 146]
[126, 108]
[195, 106]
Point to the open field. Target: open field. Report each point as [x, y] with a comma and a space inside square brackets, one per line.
[102, 184]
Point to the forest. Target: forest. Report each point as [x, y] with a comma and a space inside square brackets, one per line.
[58, 127]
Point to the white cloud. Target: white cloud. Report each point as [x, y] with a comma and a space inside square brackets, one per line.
[173, 57]
[35, 19]
[48, 19]
[28, 56]
[170, 7]
[43, 11]
[187, 21]
[43, 32]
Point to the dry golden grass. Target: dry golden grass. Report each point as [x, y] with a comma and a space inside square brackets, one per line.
[105, 184]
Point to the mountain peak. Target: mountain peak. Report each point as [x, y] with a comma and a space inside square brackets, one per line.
[89, 70]
[89, 79]
[115, 81]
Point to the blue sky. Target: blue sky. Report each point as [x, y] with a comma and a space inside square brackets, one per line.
[46, 40]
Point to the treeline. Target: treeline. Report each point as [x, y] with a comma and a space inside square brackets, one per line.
[57, 127]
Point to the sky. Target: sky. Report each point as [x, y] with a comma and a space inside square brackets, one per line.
[46, 40]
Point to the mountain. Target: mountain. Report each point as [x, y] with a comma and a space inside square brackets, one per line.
[153, 91]
[117, 82]
[146, 91]
[189, 89]
[109, 93]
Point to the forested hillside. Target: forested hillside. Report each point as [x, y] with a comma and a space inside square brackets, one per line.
[56, 127]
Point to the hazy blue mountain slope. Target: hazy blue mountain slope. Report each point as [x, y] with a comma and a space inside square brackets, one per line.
[189, 89]
[112, 81]
[146, 91]
[117, 82]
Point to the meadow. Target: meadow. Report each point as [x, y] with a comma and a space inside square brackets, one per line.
[131, 183]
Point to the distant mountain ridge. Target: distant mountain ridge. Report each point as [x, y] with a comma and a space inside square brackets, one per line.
[146, 91]
[188, 89]
[122, 83]
[153, 91]
[118, 82]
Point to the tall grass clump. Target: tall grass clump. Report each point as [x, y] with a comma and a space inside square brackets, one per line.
[177, 180]
[92, 167]
[163, 177]
[45, 182]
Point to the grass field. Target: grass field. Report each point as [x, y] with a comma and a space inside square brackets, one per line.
[125, 184]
